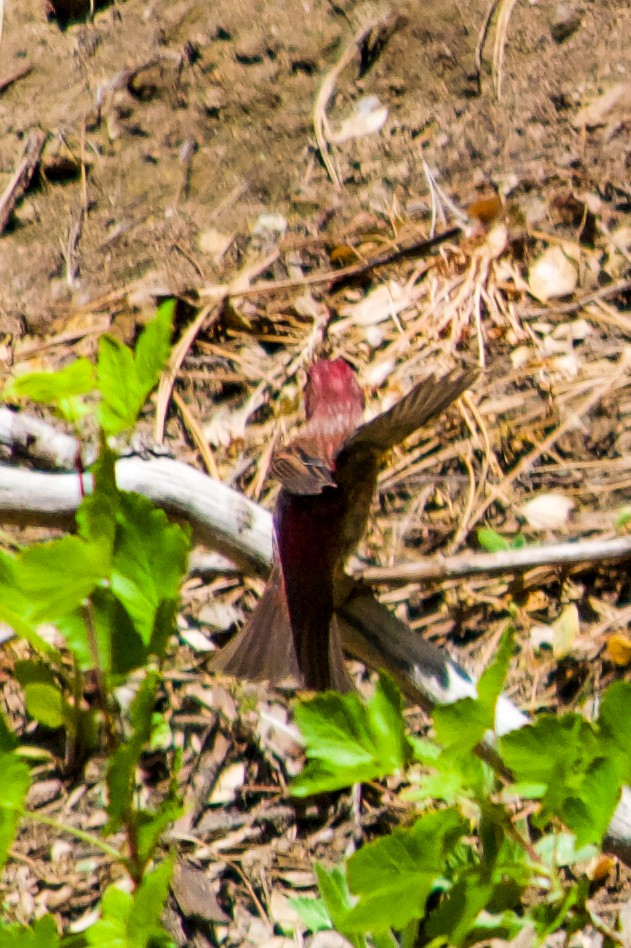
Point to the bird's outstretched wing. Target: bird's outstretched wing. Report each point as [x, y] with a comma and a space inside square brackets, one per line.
[423, 402]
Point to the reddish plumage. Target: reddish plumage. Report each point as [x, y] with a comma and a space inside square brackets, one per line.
[328, 476]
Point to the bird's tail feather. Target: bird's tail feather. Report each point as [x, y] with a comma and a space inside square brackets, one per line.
[264, 648]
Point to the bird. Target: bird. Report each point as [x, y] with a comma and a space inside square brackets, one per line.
[328, 477]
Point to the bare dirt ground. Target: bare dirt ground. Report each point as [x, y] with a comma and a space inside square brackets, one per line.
[170, 127]
[186, 116]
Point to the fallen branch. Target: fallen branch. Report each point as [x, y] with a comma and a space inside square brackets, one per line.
[441, 568]
[22, 175]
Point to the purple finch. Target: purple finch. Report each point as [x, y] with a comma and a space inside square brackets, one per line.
[328, 476]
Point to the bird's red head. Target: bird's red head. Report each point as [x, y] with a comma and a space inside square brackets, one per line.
[332, 389]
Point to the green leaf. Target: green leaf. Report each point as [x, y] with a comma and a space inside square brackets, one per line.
[103, 636]
[43, 696]
[16, 781]
[124, 381]
[457, 913]
[492, 679]
[581, 770]
[121, 393]
[393, 876]
[43, 934]
[312, 913]
[145, 924]
[335, 894]
[559, 849]
[348, 741]
[149, 562]
[151, 826]
[45, 704]
[461, 726]
[623, 517]
[491, 541]
[51, 388]
[152, 349]
[16, 607]
[8, 740]
[57, 576]
[615, 719]
[134, 921]
[111, 929]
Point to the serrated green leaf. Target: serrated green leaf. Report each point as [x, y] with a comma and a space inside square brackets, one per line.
[560, 849]
[145, 926]
[151, 826]
[50, 388]
[16, 781]
[492, 679]
[149, 561]
[152, 348]
[56, 577]
[122, 396]
[43, 934]
[134, 921]
[456, 915]
[348, 741]
[125, 381]
[16, 607]
[582, 771]
[393, 876]
[110, 643]
[111, 929]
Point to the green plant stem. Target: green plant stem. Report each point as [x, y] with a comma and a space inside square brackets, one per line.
[77, 833]
[136, 865]
[100, 680]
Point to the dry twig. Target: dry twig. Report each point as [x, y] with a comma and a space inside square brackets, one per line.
[22, 175]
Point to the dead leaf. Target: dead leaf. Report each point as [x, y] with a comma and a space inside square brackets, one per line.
[367, 118]
[196, 640]
[281, 912]
[619, 649]
[214, 243]
[220, 616]
[596, 113]
[230, 781]
[547, 511]
[552, 275]
[561, 635]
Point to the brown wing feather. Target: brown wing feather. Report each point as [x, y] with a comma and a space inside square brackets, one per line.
[300, 472]
[425, 401]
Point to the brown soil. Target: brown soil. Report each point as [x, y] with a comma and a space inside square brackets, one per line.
[187, 115]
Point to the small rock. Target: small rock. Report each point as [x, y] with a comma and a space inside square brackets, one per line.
[195, 895]
[43, 792]
[564, 23]
[214, 101]
[249, 49]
